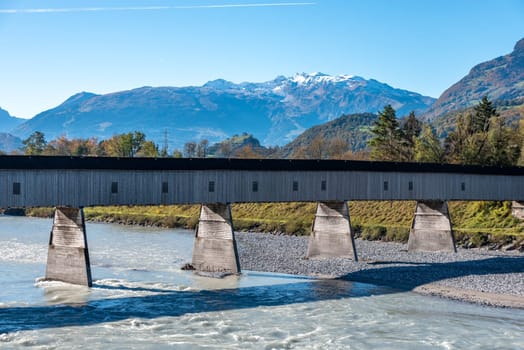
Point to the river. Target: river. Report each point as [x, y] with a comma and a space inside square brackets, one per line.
[142, 300]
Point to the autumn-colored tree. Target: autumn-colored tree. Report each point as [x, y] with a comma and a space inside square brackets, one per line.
[225, 149]
[59, 146]
[337, 148]
[358, 155]
[177, 153]
[482, 138]
[273, 152]
[124, 145]
[520, 161]
[190, 149]
[317, 149]
[84, 147]
[148, 149]
[504, 144]
[427, 146]
[299, 153]
[62, 146]
[201, 148]
[246, 152]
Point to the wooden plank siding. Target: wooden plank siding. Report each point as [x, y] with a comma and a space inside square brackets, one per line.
[89, 187]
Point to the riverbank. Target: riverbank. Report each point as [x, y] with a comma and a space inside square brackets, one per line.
[475, 224]
[474, 275]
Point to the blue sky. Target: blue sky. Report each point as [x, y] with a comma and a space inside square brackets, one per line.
[53, 49]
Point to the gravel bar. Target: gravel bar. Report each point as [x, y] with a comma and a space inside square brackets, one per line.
[475, 275]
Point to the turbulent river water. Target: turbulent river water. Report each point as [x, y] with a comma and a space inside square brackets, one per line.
[142, 300]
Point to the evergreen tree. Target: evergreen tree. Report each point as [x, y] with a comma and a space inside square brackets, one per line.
[388, 142]
[482, 115]
[35, 144]
[412, 127]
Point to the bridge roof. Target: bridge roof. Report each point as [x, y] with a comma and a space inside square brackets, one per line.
[158, 164]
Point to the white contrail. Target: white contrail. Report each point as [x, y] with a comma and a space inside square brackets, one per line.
[149, 8]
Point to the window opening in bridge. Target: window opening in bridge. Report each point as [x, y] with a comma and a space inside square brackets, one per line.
[463, 186]
[295, 186]
[254, 186]
[211, 186]
[165, 187]
[410, 185]
[386, 185]
[114, 187]
[16, 188]
[323, 185]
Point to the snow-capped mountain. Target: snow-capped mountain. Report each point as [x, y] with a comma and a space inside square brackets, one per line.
[274, 111]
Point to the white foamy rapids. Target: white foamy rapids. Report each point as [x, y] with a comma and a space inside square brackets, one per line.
[139, 288]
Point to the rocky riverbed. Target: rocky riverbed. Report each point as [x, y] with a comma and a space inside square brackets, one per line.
[475, 275]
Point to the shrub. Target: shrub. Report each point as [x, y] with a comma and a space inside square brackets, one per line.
[373, 233]
[397, 234]
[40, 212]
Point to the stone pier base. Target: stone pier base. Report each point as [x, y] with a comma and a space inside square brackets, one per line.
[215, 247]
[68, 255]
[431, 228]
[517, 209]
[331, 235]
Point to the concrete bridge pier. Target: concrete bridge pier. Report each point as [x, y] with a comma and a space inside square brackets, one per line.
[68, 254]
[332, 234]
[431, 228]
[215, 248]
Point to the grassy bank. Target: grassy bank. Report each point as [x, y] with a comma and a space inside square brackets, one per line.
[475, 223]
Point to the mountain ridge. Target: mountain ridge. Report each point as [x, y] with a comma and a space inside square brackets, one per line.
[9, 143]
[274, 111]
[351, 128]
[8, 122]
[501, 78]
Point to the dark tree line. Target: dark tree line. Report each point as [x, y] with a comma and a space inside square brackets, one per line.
[480, 137]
